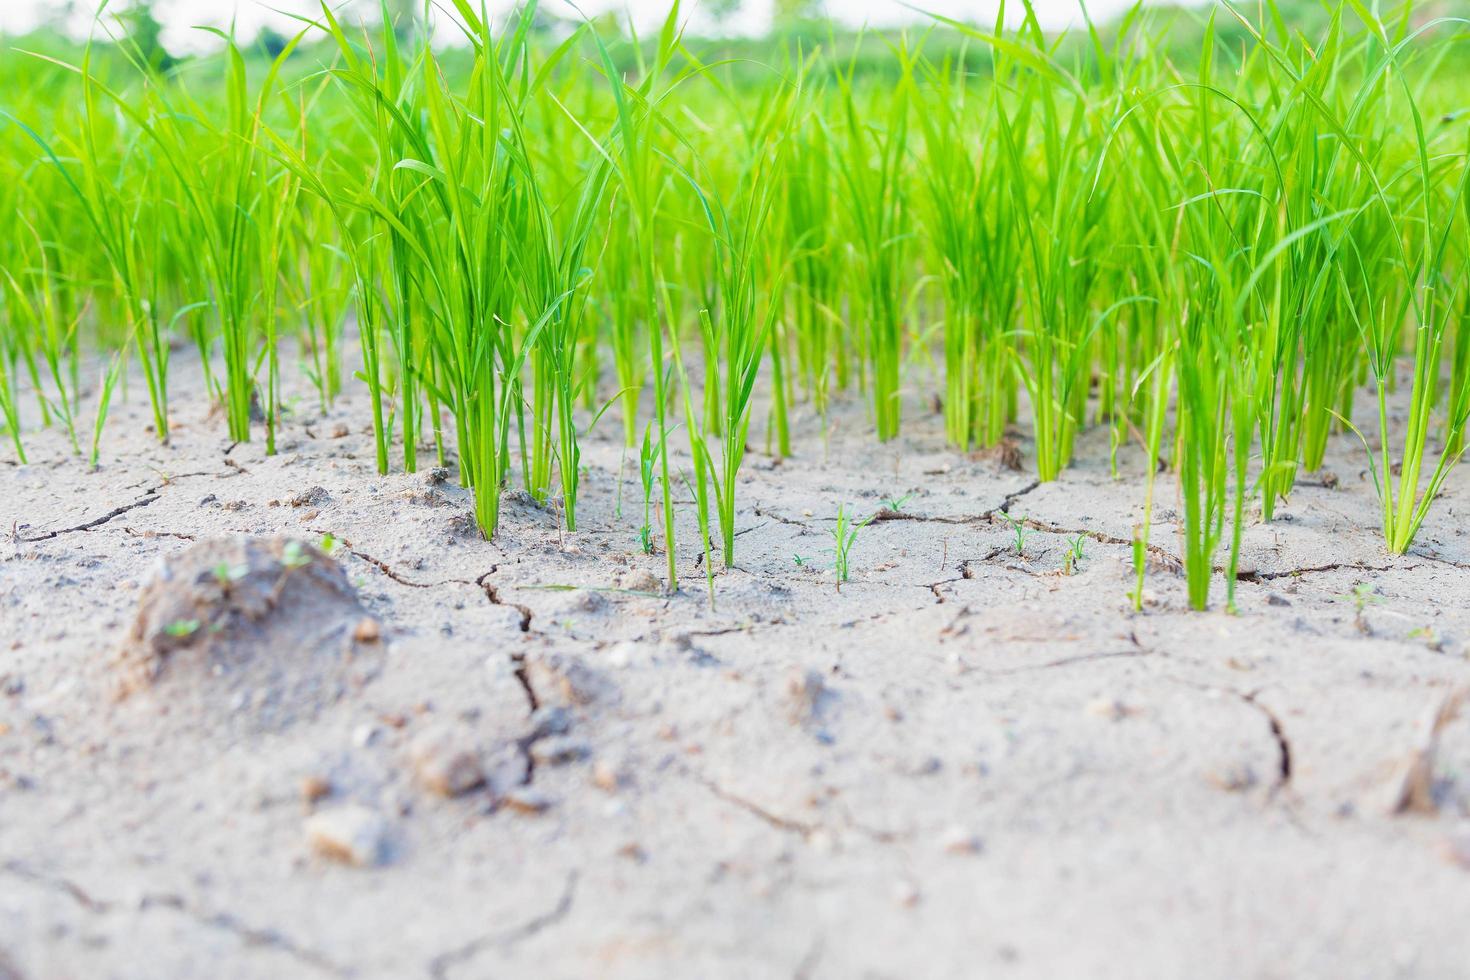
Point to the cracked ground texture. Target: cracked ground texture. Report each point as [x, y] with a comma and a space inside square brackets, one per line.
[964, 763]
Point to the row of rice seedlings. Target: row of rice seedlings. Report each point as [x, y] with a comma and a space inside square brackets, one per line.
[1257, 236]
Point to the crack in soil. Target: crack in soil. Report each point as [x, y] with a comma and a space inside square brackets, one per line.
[440, 965]
[492, 592]
[149, 533]
[784, 824]
[1258, 576]
[1009, 501]
[1164, 557]
[149, 497]
[1278, 732]
[388, 569]
[1284, 764]
[1069, 661]
[779, 519]
[250, 935]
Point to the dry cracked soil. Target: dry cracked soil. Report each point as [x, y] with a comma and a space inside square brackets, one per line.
[280, 716]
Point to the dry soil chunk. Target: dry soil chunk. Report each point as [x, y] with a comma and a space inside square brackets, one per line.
[254, 627]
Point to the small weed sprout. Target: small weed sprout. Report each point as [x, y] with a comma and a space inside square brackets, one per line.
[329, 543]
[227, 574]
[844, 536]
[1019, 532]
[647, 456]
[180, 628]
[1074, 555]
[895, 504]
[294, 555]
[1429, 637]
[1362, 596]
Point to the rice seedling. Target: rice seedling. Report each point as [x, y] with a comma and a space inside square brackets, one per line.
[844, 535]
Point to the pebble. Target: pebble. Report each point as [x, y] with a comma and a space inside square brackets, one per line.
[510, 769]
[571, 679]
[365, 734]
[550, 720]
[622, 655]
[1110, 709]
[367, 631]
[609, 776]
[351, 834]
[445, 764]
[958, 840]
[315, 788]
[558, 750]
[640, 580]
[528, 799]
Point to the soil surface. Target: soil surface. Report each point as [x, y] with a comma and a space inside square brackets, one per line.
[521, 758]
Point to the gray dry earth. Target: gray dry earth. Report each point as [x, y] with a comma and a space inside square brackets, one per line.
[964, 763]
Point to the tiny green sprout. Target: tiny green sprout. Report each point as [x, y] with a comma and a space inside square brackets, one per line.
[1018, 530]
[844, 536]
[294, 555]
[895, 504]
[1074, 555]
[647, 457]
[182, 627]
[799, 560]
[228, 574]
[329, 543]
[1362, 596]
[1428, 636]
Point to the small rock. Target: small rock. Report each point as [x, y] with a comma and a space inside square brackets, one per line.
[436, 476]
[958, 840]
[1277, 599]
[568, 679]
[507, 770]
[351, 834]
[1234, 777]
[609, 776]
[640, 580]
[1110, 709]
[623, 655]
[367, 630]
[445, 765]
[315, 788]
[528, 799]
[559, 750]
[340, 431]
[365, 734]
[551, 719]
[310, 496]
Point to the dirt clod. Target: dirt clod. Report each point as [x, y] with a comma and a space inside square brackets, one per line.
[528, 799]
[259, 626]
[350, 834]
[446, 763]
[558, 750]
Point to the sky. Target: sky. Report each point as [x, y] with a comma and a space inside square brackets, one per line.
[180, 16]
